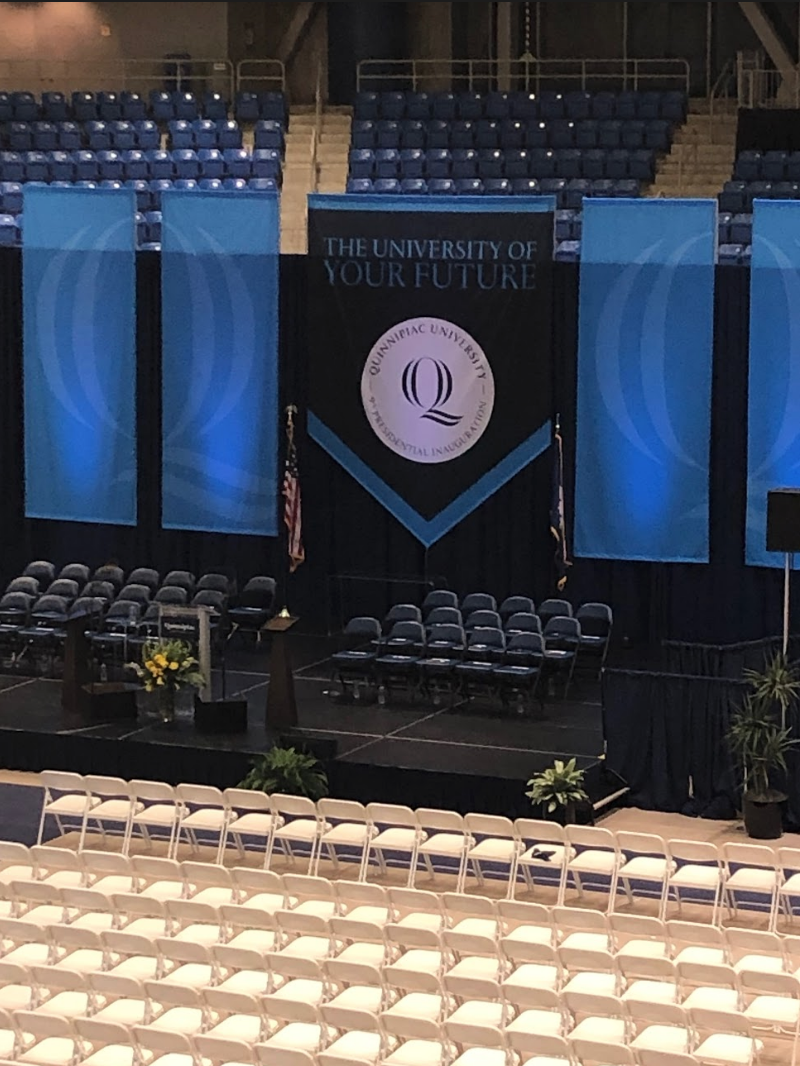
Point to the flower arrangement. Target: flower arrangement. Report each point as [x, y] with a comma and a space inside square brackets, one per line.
[168, 666]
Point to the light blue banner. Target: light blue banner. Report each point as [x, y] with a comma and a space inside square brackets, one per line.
[79, 296]
[774, 419]
[220, 262]
[644, 380]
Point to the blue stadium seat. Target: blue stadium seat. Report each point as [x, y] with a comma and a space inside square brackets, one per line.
[568, 252]
[437, 134]
[111, 165]
[517, 163]
[603, 187]
[6, 107]
[160, 162]
[564, 225]
[186, 163]
[412, 163]
[633, 135]
[732, 197]
[643, 165]
[366, 107]
[593, 163]
[673, 106]
[577, 189]
[8, 231]
[84, 107]
[562, 133]
[730, 254]
[649, 107]
[387, 163]
[555, 187]
[267, 164]
[204, 133]
[497, 187]
[10, 197]
[525, 187]
[180, 134]
[135, 165]
[363, 133]
[157, 187]
[524, 106]
[210, 185]
[123, 135]
[626, 105]
[438, 163]
[618, 163]
[413, 186]
[441, 187]
[444, 106]
[186, 184]
[86, 185]
[773, 168]
[464, 134]
[755, 190]
[161, 106]
[386, 186]
[497, 106]
[20, 137]
[537, 135]
[586, 133]
[786, 190]
[26, 109]
[627, 188]
[238, 163]
[54, 107]
[472, 106]
[263, 184]
[86, 166]
[62, 166]
[469, 187]
[153, 219]
[147, 135]
[359, 186]
[212, 163]
[491, 163]
[578, 105]
[658, 135]
[11, 166]
[70, 136]
[114, 186]
[229, 134]
[45, 136]
[512, 133]
[793, 166]
[569, 163]
[465, 163]
[542, 163]
[418, 106]
[98, 135]
[215, 106]
[412, 133]
[362, 163]
[551, 105]
[741, 229]
[609, 133]
[603, 106]
[393, 106]
[109, 107]
[144, 198]
[269, 134]
[186, 106]
[747, 166]
[272, 106]
[134, 106]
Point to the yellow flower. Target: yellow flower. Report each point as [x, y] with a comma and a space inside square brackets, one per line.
[174, 666]
[150, 665]
[160, 681]
[160, 659]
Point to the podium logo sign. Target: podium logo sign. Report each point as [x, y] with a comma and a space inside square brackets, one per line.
[428, 390]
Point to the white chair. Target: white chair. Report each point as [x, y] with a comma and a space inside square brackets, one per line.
[772, 1002]
[415, 995]
[471, 914]
[478, 1045]
[524, 923]
[219, 1051]
[234, 1016]
[311, 895]
[205, 811]
[755, 949]
[355, 984]
[157, 817]
[418, 1040]
[750, 869]
[61, 992]
[697, 870]
[165, 1047]
[660, 1026]
[108, 873]
[262, 890]
[86, 909]
[240, 970]
[24, 944]
[445, 838]
[195, 923]
[644, 860]
[357, 1039]
[362, 901]
[708, 986]
[104, 1043]
[157, 878]
[788, 865]
[539, 1049]
[17, 991]
[58, 866]
[46, 1038]
[399, 831]
[37, 902]
[140, 915]
[416, 908]
[110, 807]
[277, 1055]
[697, 942]
[297, 979]
[77, 949]
[363, 942]
[249, 928]
[585, 929]
[65, 800]
[130, 955]
[182, 962]
[301, 825]
[589, 972]
[304, 936]
[477, 1000]
[302, 1030]
[638, 936]
[208, 883]
[10, 1037]
[596, 1051]
[496, 842]
[595, 861]
[648, 979]
[119, 1000]
[16, 863]
[723, 1038]
[255, 819]
[535, 972]
[351, 828]
[416, 951]
[183, 1009]
[546, 853]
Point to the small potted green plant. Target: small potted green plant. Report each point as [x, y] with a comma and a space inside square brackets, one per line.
[287, 771]
[559, 788]
[759, 739]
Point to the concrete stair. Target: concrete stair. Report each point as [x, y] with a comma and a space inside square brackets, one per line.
[299, 178]
[702, 155]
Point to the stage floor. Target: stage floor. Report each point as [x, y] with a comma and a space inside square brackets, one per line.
[372, 751]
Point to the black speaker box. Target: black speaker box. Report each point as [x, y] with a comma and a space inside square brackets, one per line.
[221, 716]
[783, 521]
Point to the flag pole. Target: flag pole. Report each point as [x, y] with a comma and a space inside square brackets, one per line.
[292, 515]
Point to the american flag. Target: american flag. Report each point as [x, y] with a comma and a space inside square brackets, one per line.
[558, 516]
[293, 510]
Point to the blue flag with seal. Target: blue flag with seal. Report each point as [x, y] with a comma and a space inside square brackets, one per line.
[430, 347]
[220, 263]
[79, 299]
[644, 380]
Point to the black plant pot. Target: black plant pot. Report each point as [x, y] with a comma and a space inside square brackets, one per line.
[763, 819]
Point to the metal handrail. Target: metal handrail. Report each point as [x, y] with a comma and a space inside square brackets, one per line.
[316, 133]
[525, 74]
[768, 88]
[138, 75]
[270, 72]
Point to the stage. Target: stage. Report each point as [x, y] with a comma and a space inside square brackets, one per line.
[468, 757]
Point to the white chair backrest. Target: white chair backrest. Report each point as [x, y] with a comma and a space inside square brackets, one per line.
[257, 882]
[62, 781]
[590, 837]
[201, 795]
[59, 978]
[490, 825]
[406, 936]
[694, 851]
[720, 1021]
[106, 786]
[768, 983]
[392, 815]
[707, 974]
[206, 874]
[243, 799]
[114, 986]
[153, 868]
[295, 806]
[749, 855]
[595, 1051]
[243, 918]
[183, 951]
[102, 863]
[538, 831]
[128, 945]
[43, 1025]
[360, 894]
[517, 912]
[641, 843]
[683, 933]
[47, 859]
[754, 940]
[153, 791]
[293, 967]
[218, 1050]
[303, 887]
[574, 918]
[167, 993]
[406, 901]
[458, 905]
[637, 925]
[166, 1041]
[236, 959]
[102, 1034]
[13, 854]
[342, 810]
[441, 821]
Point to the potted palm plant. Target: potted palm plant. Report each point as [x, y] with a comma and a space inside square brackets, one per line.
[759, 739]
[559, 788]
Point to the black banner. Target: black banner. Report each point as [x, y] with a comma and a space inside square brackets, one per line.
[431, 362]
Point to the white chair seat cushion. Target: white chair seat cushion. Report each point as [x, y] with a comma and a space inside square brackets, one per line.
[726, 999]
[530, 934]
[186, 1020]
[266, 901]
[487, 927]
[476, 966]
[300, 829]
[479, 1012]
[29, 955]
[493, 849]
[594, 860]
[254, 824]
[43, 916]
[773, 1010]
[114, 884]
[556, 855]
[191, 975]
[52, 1051]
[123, 1012]
[371, 915]
[417, 1053]
[320, 908]
[160, 814]
[111, 1055]
[65, 879]
[211, 819]
[646, 868]
[652, 992]
[696, 876]
[672, 1038]
[151, 928]
[586, 941]
[727, 1047]
[16, 997]
[252, 982]
[643, 949]
[533, 976]
[214, 896]
[163, 890]
[791, 886]
[302, 990]
[368, 954]
[395, 838]
[141, 967]
[349, 833]
[16, 873]
[417, 1005]
[760, 963]
[308, 947]
[73, 803]
[199, 934]
[419, 960]
[246, 1027]
[7, 1042]
[604, 1030]
[481, 1056]
[753, 879]
[359, 997]
[444, 844]
[114, 810]
[84, 960]
[539, 1022]
[299, 1035]
[597, 984]
[66, 1005]
[432, 920]
[254, 940]
[701, 955]
[96, 921]
[355, 1046]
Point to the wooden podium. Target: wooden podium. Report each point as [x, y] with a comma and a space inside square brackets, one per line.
[77, 668]
[281, 706]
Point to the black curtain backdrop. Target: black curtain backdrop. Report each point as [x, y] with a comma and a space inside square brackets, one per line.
[504, 547]
[768, 129]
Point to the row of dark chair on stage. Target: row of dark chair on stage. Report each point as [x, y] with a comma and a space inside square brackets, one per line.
[122, 610]
[470, 648]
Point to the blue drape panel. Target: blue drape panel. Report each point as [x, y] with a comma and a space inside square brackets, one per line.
[774, 417]
[644, 380]
[79, 286]
[220, 342]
